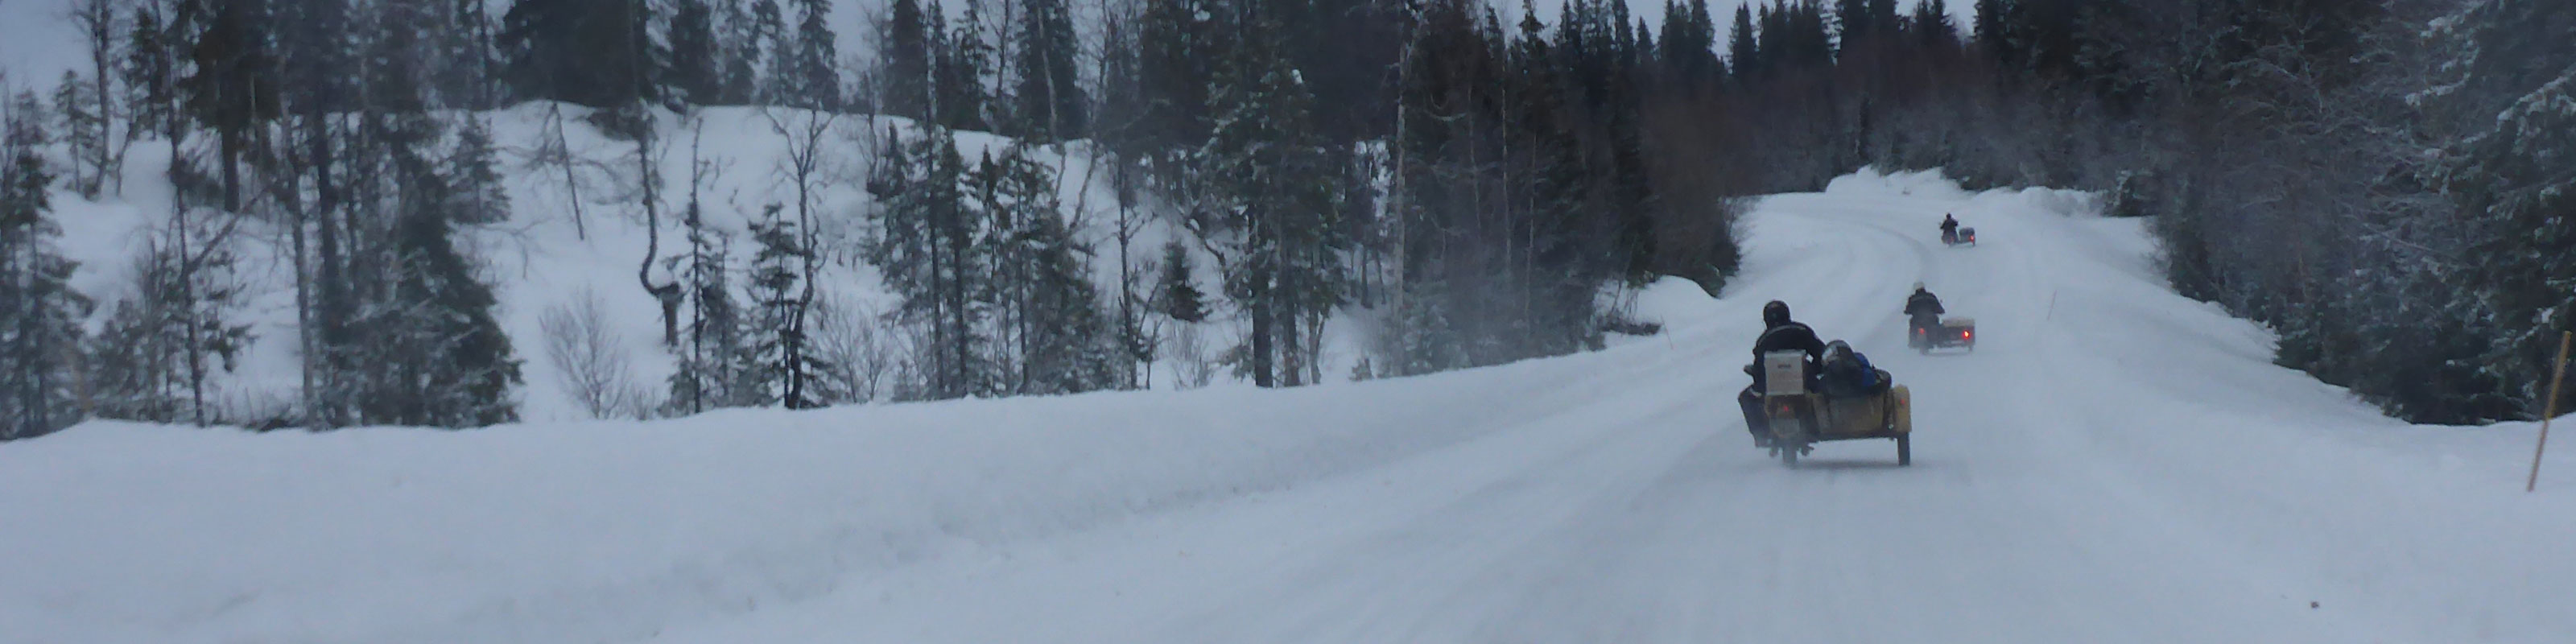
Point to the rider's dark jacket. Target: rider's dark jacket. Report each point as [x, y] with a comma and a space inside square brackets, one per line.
[1922, 305]
[1789, 337]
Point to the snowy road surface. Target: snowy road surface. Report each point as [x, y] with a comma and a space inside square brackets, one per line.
[2112, 464]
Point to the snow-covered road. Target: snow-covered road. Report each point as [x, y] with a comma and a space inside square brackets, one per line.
[2113, 464]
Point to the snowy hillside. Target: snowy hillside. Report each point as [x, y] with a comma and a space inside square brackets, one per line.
[2113, 464]
[583, 236]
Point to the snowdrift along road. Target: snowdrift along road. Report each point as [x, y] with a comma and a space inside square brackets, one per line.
[2114, 464]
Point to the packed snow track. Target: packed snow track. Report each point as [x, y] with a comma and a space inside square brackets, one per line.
[2113, 464]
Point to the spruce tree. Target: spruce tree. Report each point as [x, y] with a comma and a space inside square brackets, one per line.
[468, 70]
[149, 71]
[232, 87]
[739, 81]
[966, 58]
[817, 79]
[1177, 295]
[39, 312]
[84, 134]
[1062, 341]
[1049, 101]
[928, 248]
[713, 365]
[475, 167]
[903, 71]
[784, 362]
[1274, 188]
[598, 53]
[694, 59]
[2512, 178]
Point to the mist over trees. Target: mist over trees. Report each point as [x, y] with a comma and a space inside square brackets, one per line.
[2363, 177]
[2383, 182]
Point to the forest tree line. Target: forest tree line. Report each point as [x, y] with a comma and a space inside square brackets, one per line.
[2384, 183]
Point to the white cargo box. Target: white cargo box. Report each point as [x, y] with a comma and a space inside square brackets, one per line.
[1949, 321]
[1784, 373]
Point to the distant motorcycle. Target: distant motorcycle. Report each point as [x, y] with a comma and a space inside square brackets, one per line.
[1964, 235]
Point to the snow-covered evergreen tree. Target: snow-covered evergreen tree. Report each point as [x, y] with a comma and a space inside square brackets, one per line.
[2517, 179]
[784, 362]
[39, 313]
[927, 243]
[1177, 294]
[1048, 101]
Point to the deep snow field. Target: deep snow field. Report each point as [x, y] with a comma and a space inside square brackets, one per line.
[2114, 463]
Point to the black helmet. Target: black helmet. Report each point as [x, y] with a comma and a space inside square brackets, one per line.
[1775, 314]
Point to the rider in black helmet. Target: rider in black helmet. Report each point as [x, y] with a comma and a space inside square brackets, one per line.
[1949, 229]
[1922, 310]
[1779, 333]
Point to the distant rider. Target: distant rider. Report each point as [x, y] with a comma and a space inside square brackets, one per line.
[1922, 310]
[1779, 333]
[1949, 229]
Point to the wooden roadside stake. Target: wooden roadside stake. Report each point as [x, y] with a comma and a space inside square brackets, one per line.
[2558, 375]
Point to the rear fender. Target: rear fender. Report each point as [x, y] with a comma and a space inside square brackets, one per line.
[1901, 405]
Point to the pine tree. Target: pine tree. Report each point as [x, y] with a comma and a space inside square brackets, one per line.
[694, 63]
[1273, 186]
[958, 92]
[467, 69]
[927, 247]
[1062, 342]
[419, 345]
[458, 367]
[39, 312]
[84, 134]
[1177, 61]
[789, 372]
[1931, 24]
[232, 87]
[739, 82]
[1740, 48]
[1050, 104]
[816, 78]
[597, 53]
[2513, 180]
[776, 60]
[713, 363]
[149, 72]
[475, 167]
[903, 72]
[1178, 293]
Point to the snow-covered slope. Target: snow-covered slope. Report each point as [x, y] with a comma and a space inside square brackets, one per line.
[584, 236]
[2114, 463]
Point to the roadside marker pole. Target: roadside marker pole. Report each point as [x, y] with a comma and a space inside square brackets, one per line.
[2557, 376]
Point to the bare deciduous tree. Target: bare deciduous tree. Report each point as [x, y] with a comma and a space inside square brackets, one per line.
[590, 359]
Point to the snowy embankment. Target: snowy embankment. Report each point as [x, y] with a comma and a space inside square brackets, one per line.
[2114, 463]
[580, 233]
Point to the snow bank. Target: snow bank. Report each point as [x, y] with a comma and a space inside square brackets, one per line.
[1673, 301]
[591, 531]
[1870, 181]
